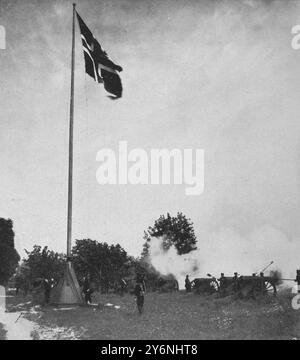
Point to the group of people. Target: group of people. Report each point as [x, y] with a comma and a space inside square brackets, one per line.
[235, 287]
[139, 291]
[232, 285]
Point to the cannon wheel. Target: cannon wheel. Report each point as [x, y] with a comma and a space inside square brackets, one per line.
[214, 285]
[269, 289]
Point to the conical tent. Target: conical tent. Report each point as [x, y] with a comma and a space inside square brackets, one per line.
[67, 291]
[2, 299]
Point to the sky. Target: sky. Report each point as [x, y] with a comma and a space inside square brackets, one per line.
[214, 75]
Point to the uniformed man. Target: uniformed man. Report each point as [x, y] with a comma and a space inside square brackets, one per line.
[298, 280]
[123, 285]
[139, 292]
[87, 290]
[223, 284]
[47, 290]
[262, 282]
[236, 283]
[188, 285]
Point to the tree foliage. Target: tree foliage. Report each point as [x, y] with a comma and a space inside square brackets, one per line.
[177, 231]
[101, 261]
[9, 257]
[42, 263]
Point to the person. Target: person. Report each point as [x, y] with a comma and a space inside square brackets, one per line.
[223, 284]
[255, 285]
[236, 284]
[297, 280]
[47, 290]
[87, 291]
[262, 283]
[188, 285]
[139, 292]
[123, 286]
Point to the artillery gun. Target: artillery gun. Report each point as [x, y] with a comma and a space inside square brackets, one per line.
[206, 286]
[239, 285]
[167, 284]
[249, 286]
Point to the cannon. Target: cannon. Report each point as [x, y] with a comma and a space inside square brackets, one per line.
[243, 286]
[167, 284]
[207, 285]
[248, 286]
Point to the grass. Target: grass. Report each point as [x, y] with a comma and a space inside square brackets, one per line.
[172, 316]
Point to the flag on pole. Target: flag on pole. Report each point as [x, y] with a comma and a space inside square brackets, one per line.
[97, 63]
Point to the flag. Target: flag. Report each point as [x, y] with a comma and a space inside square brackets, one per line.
[97, 63]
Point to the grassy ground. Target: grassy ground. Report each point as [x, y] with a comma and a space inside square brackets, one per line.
[170, 316]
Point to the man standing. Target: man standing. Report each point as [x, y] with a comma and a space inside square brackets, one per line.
[123, 286]
[139, 292]
[47, 290]
[188, 285]
[236, 285]
[223, 285]
[87, 291]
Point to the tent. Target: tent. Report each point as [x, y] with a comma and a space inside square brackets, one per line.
[67, 290]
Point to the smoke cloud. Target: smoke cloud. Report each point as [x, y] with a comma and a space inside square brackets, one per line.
[227, 251]
[168, 262]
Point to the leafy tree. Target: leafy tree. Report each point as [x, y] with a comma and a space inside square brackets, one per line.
[9, 257]
[42, 263]
[177, 231]
[101, 261]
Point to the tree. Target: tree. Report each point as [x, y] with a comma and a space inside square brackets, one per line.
[9, 257]
[101, 261]
[177, 231]
[43, 264]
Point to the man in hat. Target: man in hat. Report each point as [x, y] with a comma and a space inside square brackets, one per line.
[188, 285]
[87, 290]
[236, 283]
[139, 292]
[223, 284]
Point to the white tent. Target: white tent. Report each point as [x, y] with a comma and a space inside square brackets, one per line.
[68, 290]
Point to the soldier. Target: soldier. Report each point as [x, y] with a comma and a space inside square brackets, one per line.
[87, 291]
[254, 285]
[298, 280]
[188, 285]
[223, 284]
[262, 282]
[236, 284]
[123, 286]
[139, 292]
[47, 289]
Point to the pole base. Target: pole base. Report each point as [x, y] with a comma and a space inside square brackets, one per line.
[67, 291]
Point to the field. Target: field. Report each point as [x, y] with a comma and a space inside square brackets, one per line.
[166, 316]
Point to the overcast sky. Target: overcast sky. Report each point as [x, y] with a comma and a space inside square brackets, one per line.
[215, 75]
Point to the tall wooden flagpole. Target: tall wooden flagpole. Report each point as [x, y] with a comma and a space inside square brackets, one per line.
[70, 176]
[68, 291]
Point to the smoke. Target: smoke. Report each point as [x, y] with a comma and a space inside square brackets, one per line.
[228, 251]
[168, 262]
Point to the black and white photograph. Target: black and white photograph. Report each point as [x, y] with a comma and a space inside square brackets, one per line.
[150, 172]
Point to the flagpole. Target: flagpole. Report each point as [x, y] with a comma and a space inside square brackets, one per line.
[70, 174]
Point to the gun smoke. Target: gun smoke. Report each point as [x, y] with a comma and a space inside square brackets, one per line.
[227, 251]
